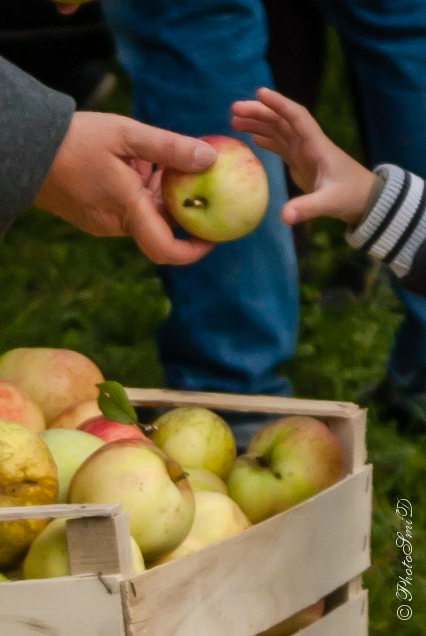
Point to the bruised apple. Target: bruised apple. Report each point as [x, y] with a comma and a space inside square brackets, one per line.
[110, 430]
[76, 414]
[54, 378]
[69, 449]
[226, 201]
[286, 462]
[17, 406]
[216, 518]
[28, 477]
[152, 488]
[48, 554]
[196, 437]
[298, 621]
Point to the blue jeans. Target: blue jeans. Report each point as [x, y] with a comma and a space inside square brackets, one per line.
[385, 45]
[234, 315]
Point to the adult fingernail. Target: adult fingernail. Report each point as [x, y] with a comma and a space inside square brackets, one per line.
[203, 156]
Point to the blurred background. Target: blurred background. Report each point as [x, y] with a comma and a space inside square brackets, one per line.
[62, 288]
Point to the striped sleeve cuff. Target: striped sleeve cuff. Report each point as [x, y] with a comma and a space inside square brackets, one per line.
[396, 226]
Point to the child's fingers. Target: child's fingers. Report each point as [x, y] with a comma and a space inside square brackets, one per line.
[254, 110]
[294, 114]
[253, 126]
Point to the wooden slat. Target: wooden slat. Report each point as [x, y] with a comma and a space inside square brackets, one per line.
[54, 511]
[351, 435]
[244, 403]
[100, 544]
[72, 606]
[249, 582]
[350, 619]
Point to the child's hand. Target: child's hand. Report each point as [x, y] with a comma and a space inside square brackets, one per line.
[335, 184]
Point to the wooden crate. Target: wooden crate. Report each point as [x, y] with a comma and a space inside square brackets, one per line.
[238, 587]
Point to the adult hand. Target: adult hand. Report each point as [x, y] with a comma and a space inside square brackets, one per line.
[101, 182]
[336, 185]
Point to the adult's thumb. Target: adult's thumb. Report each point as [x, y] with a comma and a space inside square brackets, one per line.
[167, 148]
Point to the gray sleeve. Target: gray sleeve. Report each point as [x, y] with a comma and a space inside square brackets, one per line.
[33, 121]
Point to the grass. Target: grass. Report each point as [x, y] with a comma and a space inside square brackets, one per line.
[60, 288]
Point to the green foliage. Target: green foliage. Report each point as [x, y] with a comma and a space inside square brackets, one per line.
[60, 288]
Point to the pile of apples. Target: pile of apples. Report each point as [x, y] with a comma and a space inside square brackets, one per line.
[66, 435]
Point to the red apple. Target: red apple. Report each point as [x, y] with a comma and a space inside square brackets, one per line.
[223, 203]
[54, 378]
[17, 406]
[110, 430]
[151, 487]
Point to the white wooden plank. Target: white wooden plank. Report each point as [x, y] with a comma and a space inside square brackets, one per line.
[350, 619]
[71, 606]
[244, 403]
[249, 582]
[351, 435]
[54, 511]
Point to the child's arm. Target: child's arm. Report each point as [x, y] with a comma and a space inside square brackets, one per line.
[386, 209]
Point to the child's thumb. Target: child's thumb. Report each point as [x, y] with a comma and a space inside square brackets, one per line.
[303, 208]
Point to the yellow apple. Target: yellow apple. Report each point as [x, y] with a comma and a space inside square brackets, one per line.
[196, 437]
[28, 477]
[48, 554]
[216, 518]
[151, 487]
[203, 480]
[223, 203]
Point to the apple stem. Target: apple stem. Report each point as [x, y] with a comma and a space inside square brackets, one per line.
[200, 202]
[180, 477]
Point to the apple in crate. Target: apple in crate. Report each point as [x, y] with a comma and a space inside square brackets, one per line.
[77, 414]
[286, 462]
[151, 487]
[28, 477]
[203, 480]
[48, 554]
[69, 449]
[196, 437]
[110, 430]
[226, 201]
[54, 378]
[17, 406]
[216, 518]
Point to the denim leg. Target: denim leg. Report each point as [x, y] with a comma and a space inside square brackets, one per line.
[234, 315]
[385, 44]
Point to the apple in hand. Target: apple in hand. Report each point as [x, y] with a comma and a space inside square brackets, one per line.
[216, 518]
[223, 203]
[48, 554]
[69, 449]
[54, 378]
[110, 430]
[17, 406]
[151, 487]
[28, 477]
[286, 462]
[196, 437]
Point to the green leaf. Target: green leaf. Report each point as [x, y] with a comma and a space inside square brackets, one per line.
[114, 403]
